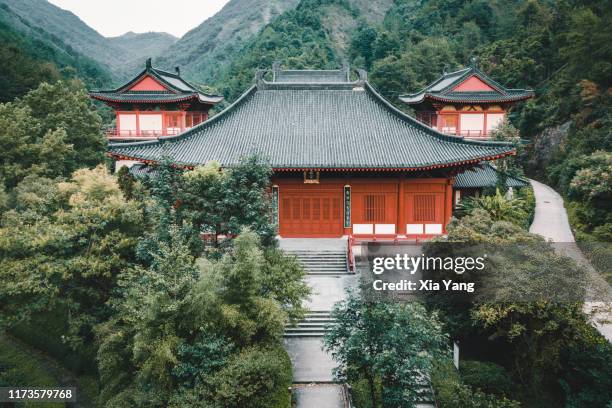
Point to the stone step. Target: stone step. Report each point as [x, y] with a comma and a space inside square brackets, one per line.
[303, 334]
[320, 320]
[321, 259]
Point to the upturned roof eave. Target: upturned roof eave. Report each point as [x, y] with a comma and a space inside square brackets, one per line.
[173, 98]
[207, 98]
[318, 167]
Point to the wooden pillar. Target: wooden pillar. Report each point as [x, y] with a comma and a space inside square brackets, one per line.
[137, 123]
[117, 124]
[401, 207]
[448, 210]
[183, 120]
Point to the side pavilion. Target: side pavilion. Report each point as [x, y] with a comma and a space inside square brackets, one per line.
[345, 160]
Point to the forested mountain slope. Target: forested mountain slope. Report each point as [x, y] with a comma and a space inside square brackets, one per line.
[31, 55]
[138, 47]
[202, 51]
[67, 27]
[118, 55]
[316, 34]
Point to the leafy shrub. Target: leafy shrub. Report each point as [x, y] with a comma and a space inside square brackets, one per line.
[450, 392]
[19, 368]
[587, 379]
[486, 376]
[257, 377]
[499, 208]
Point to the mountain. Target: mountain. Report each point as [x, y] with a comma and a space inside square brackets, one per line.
[138, 47]
[315, 34]
[204, 50]
[118, 55]
[31, 55]
[40, 15]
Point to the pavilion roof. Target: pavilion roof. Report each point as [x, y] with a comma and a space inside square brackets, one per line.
[177, 90]
[315, 124]
[443, 90]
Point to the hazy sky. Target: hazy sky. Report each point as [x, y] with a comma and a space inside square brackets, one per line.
[115, 17]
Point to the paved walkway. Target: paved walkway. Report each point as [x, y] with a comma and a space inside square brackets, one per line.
[319, 396]
[551, 222]
[312, 367]
[550, 219]
[310, 363]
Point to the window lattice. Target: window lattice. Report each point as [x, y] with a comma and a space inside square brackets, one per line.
[374, 208]
[424, 208]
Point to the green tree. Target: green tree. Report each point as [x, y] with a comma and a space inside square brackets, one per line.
[391, 343]
[51, 131]
[64, 247]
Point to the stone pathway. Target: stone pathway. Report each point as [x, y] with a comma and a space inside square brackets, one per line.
[551, 222]
[310, 363]
[319, 396]
[313, 380]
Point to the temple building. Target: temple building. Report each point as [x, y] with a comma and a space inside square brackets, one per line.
[155, 104]
[345, 161]
[464, 103]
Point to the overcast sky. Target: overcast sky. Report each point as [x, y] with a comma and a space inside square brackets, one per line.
[115, 17]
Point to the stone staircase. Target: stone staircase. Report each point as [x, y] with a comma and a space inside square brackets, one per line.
[322, 262]
[313, 325]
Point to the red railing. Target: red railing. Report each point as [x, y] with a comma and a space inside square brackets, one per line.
[350, 255]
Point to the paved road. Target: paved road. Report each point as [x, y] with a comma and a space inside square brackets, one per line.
[550, 219]
[551, 222]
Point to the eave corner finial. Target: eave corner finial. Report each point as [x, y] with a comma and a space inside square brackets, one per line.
[473, 61]
[148, 63]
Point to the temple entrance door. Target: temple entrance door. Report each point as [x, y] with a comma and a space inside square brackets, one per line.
[312, 213]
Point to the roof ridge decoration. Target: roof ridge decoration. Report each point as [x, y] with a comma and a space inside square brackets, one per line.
[326, 126]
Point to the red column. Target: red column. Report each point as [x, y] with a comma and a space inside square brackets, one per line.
[448, 206]
[401, 207]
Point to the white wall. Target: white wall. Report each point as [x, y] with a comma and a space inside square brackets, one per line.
[150, 122]
[127, 121]
[472, 121]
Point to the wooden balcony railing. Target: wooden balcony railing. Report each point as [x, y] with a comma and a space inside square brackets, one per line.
[123, 134]
[470, 134]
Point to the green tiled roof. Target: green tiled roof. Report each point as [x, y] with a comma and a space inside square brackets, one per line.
[442, 90]
[317, 126]
[485, 177]
[178, 90]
